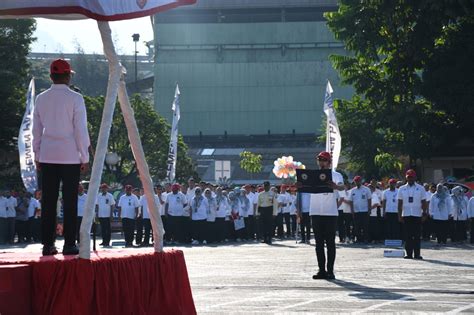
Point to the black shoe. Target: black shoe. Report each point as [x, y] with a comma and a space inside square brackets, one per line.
[70, 250]
[418, 257]
[330, 276]
[49, 250]
[408, 257]
[320, 275]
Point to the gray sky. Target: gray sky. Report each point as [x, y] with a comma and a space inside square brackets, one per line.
[63, 36]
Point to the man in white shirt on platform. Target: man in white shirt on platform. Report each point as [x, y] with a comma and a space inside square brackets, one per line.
[60, 143]
[411, 207]
[105, 208]
[324, 212]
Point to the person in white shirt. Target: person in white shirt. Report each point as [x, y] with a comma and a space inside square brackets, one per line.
[235, 214]
[33, 219]
[12, 203]
[250, 220]
[128, 210]
[211, 228]
[427, 225]
[222, 212]
[175, 205]
[199, 208]
[324, 212]
[470, 215]
[145, 214]
[286, 211]
[81, 205]
[360, 197]
[60, 143]
[346, 231]
[282, 204]
[459, 214]
[3, 219]
[105, 207]
[390, 211]
[439, 211]
[375, 219]
[21, 220]
[245, 208]
[302, 208]
[411, 208]
[292, 206]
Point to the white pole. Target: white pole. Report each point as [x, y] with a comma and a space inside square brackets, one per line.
[115, 70]
[142, 166]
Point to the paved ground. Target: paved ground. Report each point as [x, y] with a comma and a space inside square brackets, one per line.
[256, 278]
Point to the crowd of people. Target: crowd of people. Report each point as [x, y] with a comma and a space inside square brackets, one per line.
[203, 213]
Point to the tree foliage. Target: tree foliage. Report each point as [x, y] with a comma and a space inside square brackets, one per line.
[154, 134]
[391, 43]
[251, 162]
[15, 39]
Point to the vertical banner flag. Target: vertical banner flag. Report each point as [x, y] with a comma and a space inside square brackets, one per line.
[25, 142]
[333, 136]
[173, 150]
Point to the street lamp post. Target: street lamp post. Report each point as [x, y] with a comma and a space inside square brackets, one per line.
[136, 38]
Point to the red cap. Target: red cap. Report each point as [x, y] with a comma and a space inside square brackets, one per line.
[128, 186]
[325, 155]
[357, 178]
[104, 185]
[410, 173]
[392, 181]
[175, 186]
[60, 66]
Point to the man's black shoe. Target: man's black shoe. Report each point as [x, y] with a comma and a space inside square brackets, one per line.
[320, 275]
[330, 276]
[70, 250]
[49, 250]
[419, 257]
[408, 257]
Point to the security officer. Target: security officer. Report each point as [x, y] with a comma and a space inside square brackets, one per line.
[267, 206]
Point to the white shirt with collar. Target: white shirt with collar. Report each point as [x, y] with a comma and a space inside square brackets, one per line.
[128, 205]
[12, 203]
[459, 213]
[104, 203]
[32, 206]
[3, 207]
[437, 212]
[411, 197]
[359, 197]
[305, 202]
[144, 205]
[60, 133]
[375, 201]
[81, 204]
[176, 204]
[199, 209]
[326, 204]
[390, 198]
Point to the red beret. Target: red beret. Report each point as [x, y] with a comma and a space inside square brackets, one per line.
[410, 173]
[392, 181]
[325, 155]
[357, 178]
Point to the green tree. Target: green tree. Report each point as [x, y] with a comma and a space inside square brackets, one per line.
[15, 39]
[154, 134]
[251, 162]
[390, 43]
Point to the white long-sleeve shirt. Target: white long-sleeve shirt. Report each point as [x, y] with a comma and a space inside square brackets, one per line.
[60, 133]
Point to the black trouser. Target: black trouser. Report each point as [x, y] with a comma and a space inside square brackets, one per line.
[35, 229]
[278, 225]
[392, 226]
[174, 228]
[106, 230]
[412, 227]
[361, 226]
[375, 229]
[472, 230]
[293, 219]
[139, 229]
[198, 230]
[210, 232]
[164, 220]
[340, 226]
[427, 228]
[148, 230]
[21, 228]
[287, 219]
[78, 229]
[324, 228]
[128, 226]
[459, 230]
[258, 232]
[250, 227]
[10, 229]
[186, 229]
[51, 177]
[266, 220]
[348, 222]
[441, 229]
[305, 227]
[3, 230]
[221, 229]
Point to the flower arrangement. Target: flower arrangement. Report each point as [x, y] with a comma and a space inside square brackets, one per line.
[285, 167]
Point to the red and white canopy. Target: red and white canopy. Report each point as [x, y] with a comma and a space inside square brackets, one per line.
[101, 10]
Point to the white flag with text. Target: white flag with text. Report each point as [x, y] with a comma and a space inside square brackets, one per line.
[333, 136]
[173, 150]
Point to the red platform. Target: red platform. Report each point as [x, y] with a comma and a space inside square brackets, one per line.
[129, 281]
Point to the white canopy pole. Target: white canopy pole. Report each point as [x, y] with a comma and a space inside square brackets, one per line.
[115, 70]
[142, 166]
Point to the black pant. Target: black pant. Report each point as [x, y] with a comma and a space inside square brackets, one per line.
[279, 225]
[293, 219]
[106, 230]
[472, 230]
[139, 229]
[199, 230]
[148, 230]
[266, 220]
[348, 222]
[21, 228]
[459, 231]
[35, 229]
[340, 226]
[361, 226]
[287, 219]
[427, 229]
[392, 226]
[324, 228]
[412, 227]
[78, 229]
[305, 227]
[174, 228]
[441, 230]
[10, 229]
[210, 232]
[3, 230]
[221, 229]
[164, 220]
[128, 226]
[375, 229]
[51, 177]
[250, 225]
